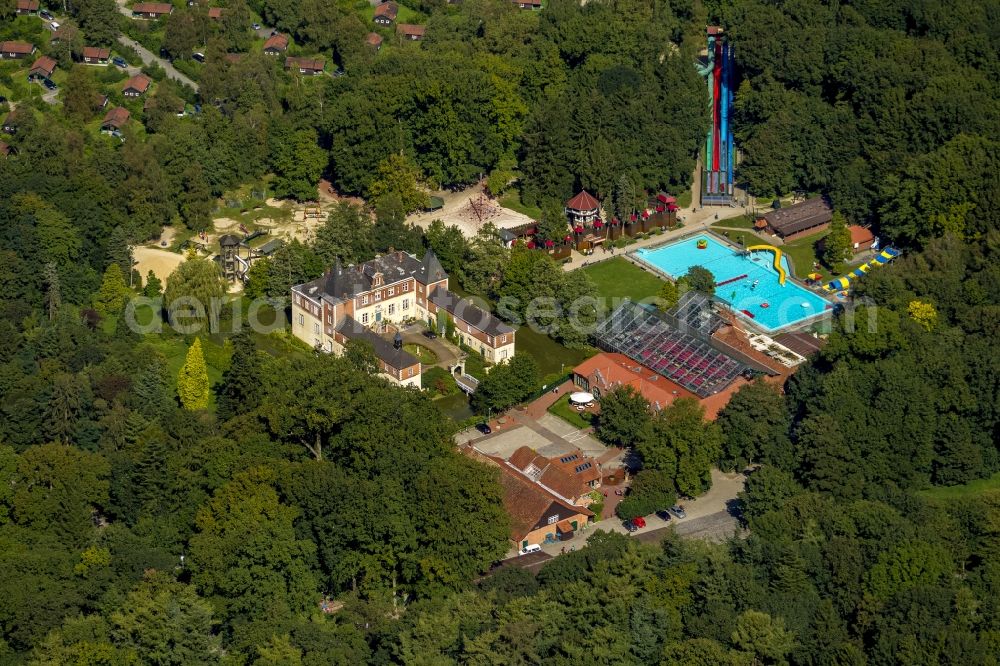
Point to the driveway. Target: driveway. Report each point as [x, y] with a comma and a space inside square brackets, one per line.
[148, 58]
[447, 353]
[711, 517]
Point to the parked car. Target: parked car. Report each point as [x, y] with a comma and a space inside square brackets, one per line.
[200, 57]
[54, 26]
[664, 515]
[678, 511]
[630, 526]
[256, 26]
[45, 15]
[430, 335]
[484, 428]
[639, 522]
[119, 62]
[48, 84]
[533, 548]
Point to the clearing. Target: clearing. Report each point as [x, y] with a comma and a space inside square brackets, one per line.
[469, 210]
[618, 278]
[965, 491]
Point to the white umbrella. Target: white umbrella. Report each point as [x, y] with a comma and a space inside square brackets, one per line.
[581, 397]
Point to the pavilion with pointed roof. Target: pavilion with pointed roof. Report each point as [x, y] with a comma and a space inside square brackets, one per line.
[583, 209]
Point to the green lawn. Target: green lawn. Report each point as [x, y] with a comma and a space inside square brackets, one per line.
[512, 200]
[618, 278]
[423, 354]
[552, 358]
[737, 222]
[966, 490]
[684, 199]
[576, 419]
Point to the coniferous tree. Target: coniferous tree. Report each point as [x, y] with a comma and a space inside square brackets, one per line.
[240, 389]
[110, 300]
[192, 382]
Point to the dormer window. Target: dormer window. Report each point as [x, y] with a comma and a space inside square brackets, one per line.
[364, 300]
[377, 280]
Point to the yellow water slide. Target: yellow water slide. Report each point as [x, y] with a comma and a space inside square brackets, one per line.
[777, 260]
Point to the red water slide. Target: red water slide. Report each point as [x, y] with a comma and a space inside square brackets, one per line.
[716, 103]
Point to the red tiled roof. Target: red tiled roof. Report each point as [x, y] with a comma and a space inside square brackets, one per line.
[860, 235]
[388, 10]
[525, 502]
[411, 29]
[313, 64]
[138, 82]
[21, 48]
[373, 39]
[215, 12]
[27, 5]
[619, 370]
[96, 52]
[152, 8]
[583, 201]
[276, 43]
[234, 57]
[560, 479]
[45, 65]
[116, 117]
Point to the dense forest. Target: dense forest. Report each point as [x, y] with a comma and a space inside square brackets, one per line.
[146, 519]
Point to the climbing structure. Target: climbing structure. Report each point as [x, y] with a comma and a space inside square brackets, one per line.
[717, 165]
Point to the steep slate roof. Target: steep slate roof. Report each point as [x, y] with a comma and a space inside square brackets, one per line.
[798, 217]
[583, 201]
[346, 283]
[384, 350]
[469, 313]
[431, 269]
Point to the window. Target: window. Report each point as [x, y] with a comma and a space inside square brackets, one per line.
[411, 372]
[329, 346]
[378, 295]
[503, 339]
[316, 328]
[392, 308]
[406, 286]
[406, 304]
[391, 290]
[553, 519]
[364, 300]
[503, 355]
[302, 319]
[364, 318]
[489, 339]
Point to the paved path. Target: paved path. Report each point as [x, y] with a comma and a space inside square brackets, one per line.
[148, 58]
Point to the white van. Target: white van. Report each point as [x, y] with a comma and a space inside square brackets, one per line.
[533, 548]
[54, 26]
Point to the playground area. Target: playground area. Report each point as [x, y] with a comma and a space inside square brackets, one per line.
[469, 210]
[753, 281]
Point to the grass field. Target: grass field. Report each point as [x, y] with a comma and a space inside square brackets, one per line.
[966, 490]
[684, 199]
[552, 358]
[737, 222]
[617, 278]
[512, 200]
[576, 419]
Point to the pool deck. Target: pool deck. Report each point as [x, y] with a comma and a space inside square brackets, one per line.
[801, 324]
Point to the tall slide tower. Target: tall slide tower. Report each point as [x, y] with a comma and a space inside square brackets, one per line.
[717, 165]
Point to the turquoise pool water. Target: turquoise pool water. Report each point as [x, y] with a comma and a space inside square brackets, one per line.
[754, 280]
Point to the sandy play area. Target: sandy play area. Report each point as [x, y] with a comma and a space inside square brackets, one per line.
[161, 262]
[469, 210]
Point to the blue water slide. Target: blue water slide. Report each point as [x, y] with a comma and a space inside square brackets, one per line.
[730, 75]
[724, 112]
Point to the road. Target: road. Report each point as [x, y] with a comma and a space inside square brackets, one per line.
[148, 57]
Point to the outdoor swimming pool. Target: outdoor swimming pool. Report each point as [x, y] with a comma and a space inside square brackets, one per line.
[750, 285]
